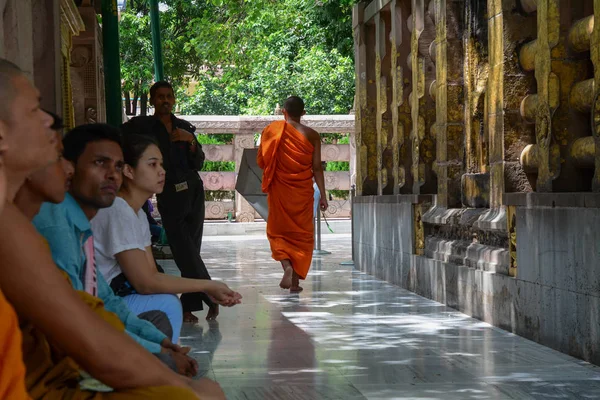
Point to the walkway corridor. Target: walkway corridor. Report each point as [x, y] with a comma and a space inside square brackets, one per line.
[349, 336]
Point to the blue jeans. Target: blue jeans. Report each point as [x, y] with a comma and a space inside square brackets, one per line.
[167, 303]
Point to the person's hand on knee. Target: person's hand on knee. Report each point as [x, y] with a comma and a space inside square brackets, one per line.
[185, 364]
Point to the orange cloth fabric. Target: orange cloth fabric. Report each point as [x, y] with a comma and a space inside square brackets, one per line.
[285, 155]
[51, 375]
[12, 369]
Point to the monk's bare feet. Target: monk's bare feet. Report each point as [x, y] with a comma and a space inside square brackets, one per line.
[189, 317]
[286, 281]
[295, 288]
[213, 312]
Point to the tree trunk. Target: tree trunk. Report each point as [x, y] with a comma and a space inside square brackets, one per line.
[127, 103]
[144, 105]
[136, 96]
[134, 104]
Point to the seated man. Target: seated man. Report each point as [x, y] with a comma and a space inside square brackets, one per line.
[95, 151]
[12, 378]
[57, 323]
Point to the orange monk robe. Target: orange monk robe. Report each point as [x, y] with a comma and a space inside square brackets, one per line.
[12, 369]
[286, 156]
[51, 375]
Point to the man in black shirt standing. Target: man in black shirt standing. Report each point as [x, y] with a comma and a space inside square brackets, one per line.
[181, 204]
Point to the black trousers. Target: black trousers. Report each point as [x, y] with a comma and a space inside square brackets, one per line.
[182, 215]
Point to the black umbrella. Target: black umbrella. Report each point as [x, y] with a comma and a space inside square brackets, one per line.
[249, 181]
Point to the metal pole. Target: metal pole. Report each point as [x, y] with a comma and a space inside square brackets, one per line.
[318, 251]
[159, 73]
[318, 230]
[112, 63]
[352, 194]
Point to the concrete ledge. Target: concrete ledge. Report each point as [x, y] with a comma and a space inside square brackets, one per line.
[251, 124]
[480, 218]
[394, 199]
[469, 254]
[445, 216]
[493, 220]
[260, 228]
[552, 200]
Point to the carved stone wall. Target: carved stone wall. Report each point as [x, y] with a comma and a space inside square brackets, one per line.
[503, 122]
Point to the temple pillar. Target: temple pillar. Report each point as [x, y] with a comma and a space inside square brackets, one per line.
[366, 103]
[71, 25]
[401, 116]
[17, 43]
[417, 66]
[46, 16]
[87, 70]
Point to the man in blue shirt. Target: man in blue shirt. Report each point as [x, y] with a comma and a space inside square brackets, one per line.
[95, 151]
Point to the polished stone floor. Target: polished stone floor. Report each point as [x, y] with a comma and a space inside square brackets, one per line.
[349, 336]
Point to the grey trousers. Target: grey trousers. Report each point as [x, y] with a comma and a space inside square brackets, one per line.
[160, 320]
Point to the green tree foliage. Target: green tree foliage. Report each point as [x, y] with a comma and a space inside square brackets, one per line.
[245, 56]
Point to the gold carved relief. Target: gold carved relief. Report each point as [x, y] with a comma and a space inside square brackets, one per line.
[418, 91]
[547, 89]
[595, 54]
[419, 230]
[511, 219]
[441, 101]
[397, 97]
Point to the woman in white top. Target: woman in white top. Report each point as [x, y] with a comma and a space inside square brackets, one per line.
[123, 243]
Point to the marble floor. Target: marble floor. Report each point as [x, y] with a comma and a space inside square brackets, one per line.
[350, 336]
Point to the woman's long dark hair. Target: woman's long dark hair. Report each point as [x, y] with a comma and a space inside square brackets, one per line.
[134, 146]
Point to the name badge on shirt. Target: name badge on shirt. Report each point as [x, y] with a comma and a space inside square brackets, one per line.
[179, 187]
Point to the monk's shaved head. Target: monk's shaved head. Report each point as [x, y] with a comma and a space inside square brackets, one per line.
[294, 106]
[8, 73]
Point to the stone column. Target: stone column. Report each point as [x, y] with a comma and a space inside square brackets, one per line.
[366, 131]
[446, 51]
[400, 118]
[417, 63]
[47, 57]
[384, 97]
[441, 100]
[495, 102]
[87, 71]
[18, 34]
[243, 210]
[2, 39]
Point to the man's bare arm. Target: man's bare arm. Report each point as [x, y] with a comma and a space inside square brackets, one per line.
[34, 286]
[317, 166]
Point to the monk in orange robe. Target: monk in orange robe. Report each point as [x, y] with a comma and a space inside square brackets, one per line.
[12, 369]
[290, 156]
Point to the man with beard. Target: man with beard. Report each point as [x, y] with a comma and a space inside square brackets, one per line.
[181, 204]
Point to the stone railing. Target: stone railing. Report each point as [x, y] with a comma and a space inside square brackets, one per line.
[244, 129]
